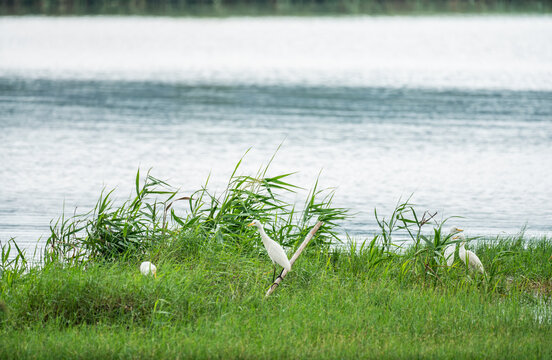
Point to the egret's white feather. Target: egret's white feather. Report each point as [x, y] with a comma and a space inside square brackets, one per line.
[448, 254]
[449, 250]
[274, 250]
[469, 258]
[147, 268]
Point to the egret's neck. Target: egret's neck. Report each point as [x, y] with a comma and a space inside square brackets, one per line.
[264, 236]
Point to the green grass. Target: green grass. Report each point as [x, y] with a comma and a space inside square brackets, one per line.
[330, 305]
[367, 298]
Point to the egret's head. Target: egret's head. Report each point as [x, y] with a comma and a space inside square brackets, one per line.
[459, 236]
[455, 230]
[257, 223]
[456, 233]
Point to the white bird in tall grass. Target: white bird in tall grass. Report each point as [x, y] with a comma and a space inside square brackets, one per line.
[469, 258]
[448, 253]
[274, 250]
[147, 268]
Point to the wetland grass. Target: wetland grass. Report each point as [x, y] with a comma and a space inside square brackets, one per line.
[370, 298]
[332, 304]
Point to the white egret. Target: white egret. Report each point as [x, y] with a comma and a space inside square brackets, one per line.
[448, 253]
[147, 268]
[274, 250]
[469, 258]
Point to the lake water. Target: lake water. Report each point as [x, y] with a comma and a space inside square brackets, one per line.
[456, 110]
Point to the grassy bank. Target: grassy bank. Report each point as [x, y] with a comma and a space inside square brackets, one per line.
[268, 7]
[365, 298]
[333, 304]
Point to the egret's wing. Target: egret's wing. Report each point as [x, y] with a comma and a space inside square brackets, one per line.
[449, 254]
[278, 255]
[476, 263]
[473, 261]
[147, 267]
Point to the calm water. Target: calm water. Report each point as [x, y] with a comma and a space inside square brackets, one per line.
[457, 110]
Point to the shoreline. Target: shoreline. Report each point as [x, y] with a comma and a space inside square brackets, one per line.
[218, 9]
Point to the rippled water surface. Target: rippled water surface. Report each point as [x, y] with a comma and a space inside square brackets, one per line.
[456, 110]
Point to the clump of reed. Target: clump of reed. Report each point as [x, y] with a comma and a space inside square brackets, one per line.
[13, 263]
[149, 221]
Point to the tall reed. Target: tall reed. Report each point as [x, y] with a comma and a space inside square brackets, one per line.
[130, 229]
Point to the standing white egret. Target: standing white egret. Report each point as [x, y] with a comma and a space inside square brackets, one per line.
[274, 250]
[448, 253]
[147, 268]
[469, 258]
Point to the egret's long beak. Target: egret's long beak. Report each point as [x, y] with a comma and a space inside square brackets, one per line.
[251, 224]
[459, 230]
[155, 274]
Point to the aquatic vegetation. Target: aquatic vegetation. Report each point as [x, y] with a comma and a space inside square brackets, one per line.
[13, 263]
[344, 298]
[149, 220]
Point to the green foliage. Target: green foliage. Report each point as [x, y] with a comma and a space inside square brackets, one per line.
[426, 254]
[109, 231]
[213, 305]
[149, 220]
[246, 198]
[517, 256]
[12, 265]
[364, 298]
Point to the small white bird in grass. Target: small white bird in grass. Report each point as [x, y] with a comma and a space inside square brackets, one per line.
[448, 253]
[147, 268]
[274, 250]
[468, 257]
